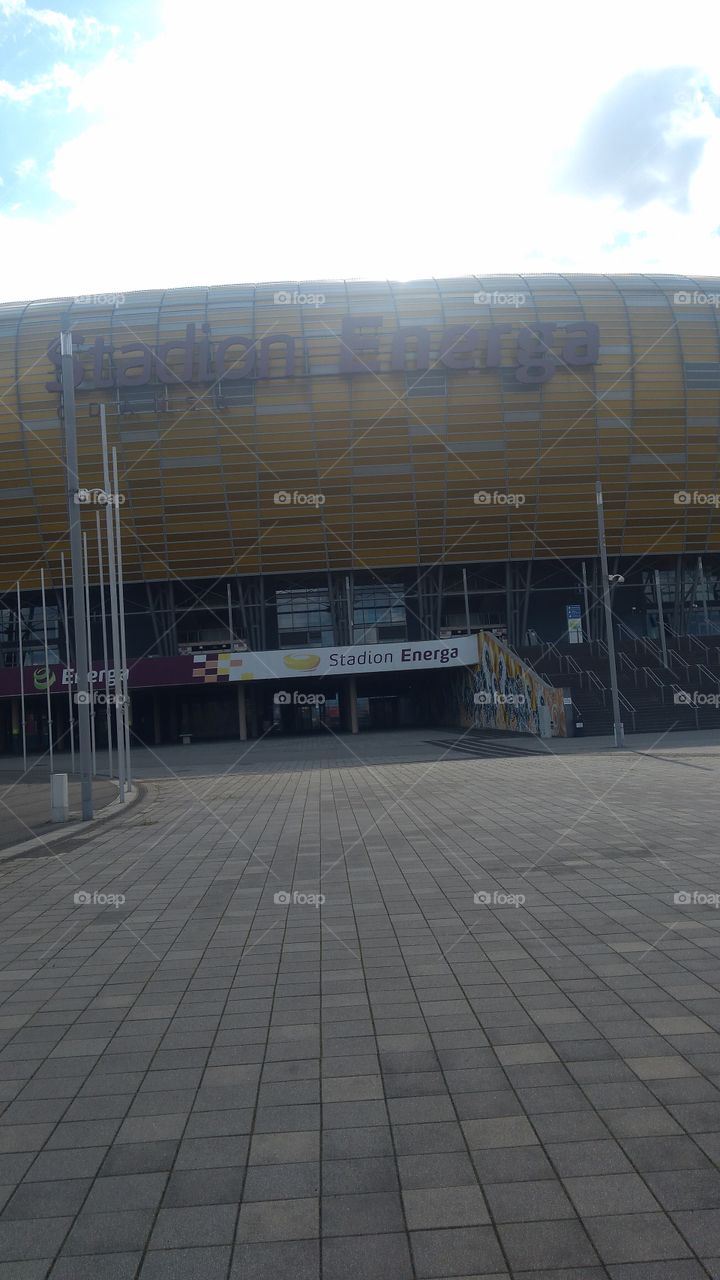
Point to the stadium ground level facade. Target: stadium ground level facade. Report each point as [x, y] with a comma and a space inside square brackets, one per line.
[541, 601]
[337, 464]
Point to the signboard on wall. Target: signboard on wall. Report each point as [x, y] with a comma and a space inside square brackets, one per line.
[574, 623]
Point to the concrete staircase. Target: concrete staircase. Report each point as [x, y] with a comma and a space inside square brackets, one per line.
[648, 689]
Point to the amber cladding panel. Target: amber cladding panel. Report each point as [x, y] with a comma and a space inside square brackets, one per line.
[386, 406]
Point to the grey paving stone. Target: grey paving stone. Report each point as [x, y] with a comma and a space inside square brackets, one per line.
[186, 1264]
[540, 1246]
[350, 1177]
[139, 1157]
[131, 1191]
[528, 1201]
[636, 1237]
[107, 1266]
[193, 1226]
[460, 1206]
[450, 1169]
[205, 1186]
[361, 1214]
[118, 1232]
[279, 1220]
[27, 1239]
[456, 1252]
[46, 1199]
[610, 1193]
[271, 1260]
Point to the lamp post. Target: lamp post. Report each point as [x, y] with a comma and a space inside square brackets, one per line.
[617, 722]
[76, 572]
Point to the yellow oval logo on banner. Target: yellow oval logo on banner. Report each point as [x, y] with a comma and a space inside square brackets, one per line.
[306, 663]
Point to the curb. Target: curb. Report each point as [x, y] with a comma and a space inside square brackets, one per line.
[60, 831]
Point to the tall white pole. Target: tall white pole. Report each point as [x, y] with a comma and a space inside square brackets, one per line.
[47, 667]
[22, 680]
[71, 717]
[91, 685]
[104, 642]
[230, 617]
[586, 628]
[76, 568]
[661, 618]
[610, 637]
[114, 623]
[467, 602]
[121, 609]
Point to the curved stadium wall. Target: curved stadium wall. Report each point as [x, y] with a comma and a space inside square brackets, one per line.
[387, 407]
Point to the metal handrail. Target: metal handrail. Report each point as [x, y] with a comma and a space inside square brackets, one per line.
[676, 657]
[648, 672]
[628, 662]
[708, 673]
[627, 706]
[690, 639]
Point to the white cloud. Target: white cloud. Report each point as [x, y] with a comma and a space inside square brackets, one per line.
[25, 167]
[69, 31]
[279, 142]
[60, 77]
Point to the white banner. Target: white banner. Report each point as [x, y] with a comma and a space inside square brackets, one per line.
[278, 664]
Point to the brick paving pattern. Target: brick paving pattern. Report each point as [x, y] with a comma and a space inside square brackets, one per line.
[204, 1083]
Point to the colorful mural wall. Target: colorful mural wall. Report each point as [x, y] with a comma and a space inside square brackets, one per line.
[502, 693]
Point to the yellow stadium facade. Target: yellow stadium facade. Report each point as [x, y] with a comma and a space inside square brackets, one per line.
[314, 463]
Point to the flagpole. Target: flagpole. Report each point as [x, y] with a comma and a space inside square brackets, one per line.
[104, 643]
[68, 665]
[22, 681]
[91, 685]
[47, 668]
[114, 624]
[121, 603]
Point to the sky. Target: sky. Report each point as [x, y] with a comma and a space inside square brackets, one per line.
[153, 144]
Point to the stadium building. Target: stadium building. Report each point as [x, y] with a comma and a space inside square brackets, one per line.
[325, 470]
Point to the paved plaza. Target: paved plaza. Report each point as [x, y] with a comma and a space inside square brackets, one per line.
[370, 1009]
